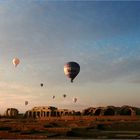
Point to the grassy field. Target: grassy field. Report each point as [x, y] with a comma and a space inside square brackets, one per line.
[71, 127]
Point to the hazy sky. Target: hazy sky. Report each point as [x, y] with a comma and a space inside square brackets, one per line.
[103, 37]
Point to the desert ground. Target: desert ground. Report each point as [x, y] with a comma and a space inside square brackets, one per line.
[72, 127]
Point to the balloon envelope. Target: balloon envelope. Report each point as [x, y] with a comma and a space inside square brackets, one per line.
[53, 97]
[64, 95]
[75, 100]
[16, 61]
[26, 102]
[71, 70]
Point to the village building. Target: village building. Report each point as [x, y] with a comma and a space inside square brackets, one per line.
[111, 111]
[11, 112]
[50, 111]
[47, 111]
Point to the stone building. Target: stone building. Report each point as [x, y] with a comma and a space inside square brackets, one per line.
[89, 111]
[11, 112]
[47, 111]
[111, 111]
[127, 110]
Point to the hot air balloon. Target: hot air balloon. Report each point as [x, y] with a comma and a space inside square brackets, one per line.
[53, 96]
[75, 100]
[26, 102]
[16, 61]
[64, 95]
[41, 84]
[71, 70]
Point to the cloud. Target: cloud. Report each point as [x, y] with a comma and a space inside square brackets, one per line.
[14, 86]
[114, 71]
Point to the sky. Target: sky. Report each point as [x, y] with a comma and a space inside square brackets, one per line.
[102, 36]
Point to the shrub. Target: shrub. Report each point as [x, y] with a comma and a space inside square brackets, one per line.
[5, 128]
[101, 126]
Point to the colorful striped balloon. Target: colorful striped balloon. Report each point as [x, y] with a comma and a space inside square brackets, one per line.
[71, 70]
